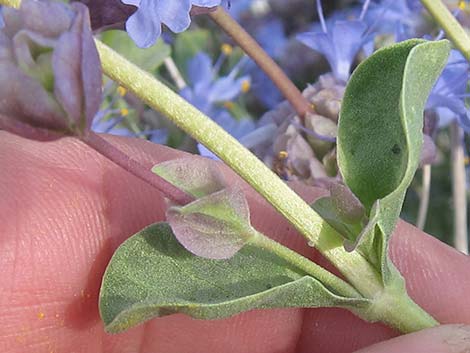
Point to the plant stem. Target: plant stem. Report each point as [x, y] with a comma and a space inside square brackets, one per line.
[174, 73]
[135, 168]
[317, 232]
[459, 189]
[424, 197]
[454, 31]
[11, 3]
[300, 104]
[331, 281]
[356, 268]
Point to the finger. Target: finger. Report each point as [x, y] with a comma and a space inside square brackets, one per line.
[125, 205]
[442, 339]
[63, 211]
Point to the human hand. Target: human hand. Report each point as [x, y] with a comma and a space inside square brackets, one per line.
[64, 210]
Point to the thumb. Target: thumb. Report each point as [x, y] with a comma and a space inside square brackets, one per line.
[441, 339]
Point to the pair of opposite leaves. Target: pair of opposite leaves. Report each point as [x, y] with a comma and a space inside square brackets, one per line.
[379, 145]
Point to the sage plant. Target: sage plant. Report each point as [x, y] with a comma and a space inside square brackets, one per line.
[207, 260]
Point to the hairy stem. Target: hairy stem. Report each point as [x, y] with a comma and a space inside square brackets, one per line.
[135, 168]
[300, 104]
[459, 189]
[331, 281]
[353, 265]
[174, 73]
[356, 268]
[424, 197]
[454, 31]
[11, 3]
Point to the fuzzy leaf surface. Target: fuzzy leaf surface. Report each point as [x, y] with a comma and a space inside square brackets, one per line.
[380, 133]
[152, 275]
[196, 176]
[215, 226]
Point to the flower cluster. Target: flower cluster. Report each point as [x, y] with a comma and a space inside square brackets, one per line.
[145, 25]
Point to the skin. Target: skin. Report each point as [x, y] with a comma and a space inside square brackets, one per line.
[63, 211]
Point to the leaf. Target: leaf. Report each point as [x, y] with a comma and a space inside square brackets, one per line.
[215, 226]
[380, 133]
[196, 176]
[148, 59]
[343, 211]
[152, 275]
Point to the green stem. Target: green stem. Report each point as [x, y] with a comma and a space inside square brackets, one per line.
[206, 131]
[359, 272]
[331, 281]
[300, 104]
[317, 232]
[11, 3]
[454, 31]
[394, 307]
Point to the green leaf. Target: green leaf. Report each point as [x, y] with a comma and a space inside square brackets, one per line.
[344, 212]
[148, 59]
[216, 226]
[152, 275]
[380, 133]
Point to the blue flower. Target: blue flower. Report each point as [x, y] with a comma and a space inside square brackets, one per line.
[399, 17]
[238, 8]
[2, 22]
[447, 96]
[272, 37]
[103, 125]
[237, 128]
[339, 43]
[208, 92]
[145, 25]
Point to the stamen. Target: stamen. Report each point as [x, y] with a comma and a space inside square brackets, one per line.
[124, 112]
[321, 17]
[365, 7]
[246, 85]
[121, 91]
[226, 49]
[229, 105]
[283, 155]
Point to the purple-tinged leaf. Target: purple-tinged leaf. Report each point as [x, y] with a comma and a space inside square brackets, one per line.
[26, 100]
[48, 18]
[215, 226]
[48, 56]
[196, 176]
[348, 205]
[77, 71]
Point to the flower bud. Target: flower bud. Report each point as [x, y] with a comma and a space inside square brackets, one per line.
[48, 57]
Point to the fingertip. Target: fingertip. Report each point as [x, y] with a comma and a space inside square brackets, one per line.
[441, 339]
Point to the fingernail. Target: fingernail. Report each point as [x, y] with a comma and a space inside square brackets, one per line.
[458, 340]
[441, 339]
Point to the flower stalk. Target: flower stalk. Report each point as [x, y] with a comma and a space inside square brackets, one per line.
[129, 164]
[356, 268]
[459, 193]
[449, 24]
